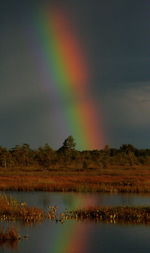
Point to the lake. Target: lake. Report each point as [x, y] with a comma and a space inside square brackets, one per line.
[80, 237]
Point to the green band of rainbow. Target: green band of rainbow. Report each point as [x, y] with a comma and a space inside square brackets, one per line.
[72, 237]
[67, 65]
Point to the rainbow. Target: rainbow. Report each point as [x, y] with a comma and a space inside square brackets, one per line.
[68, 72]
[72, 236]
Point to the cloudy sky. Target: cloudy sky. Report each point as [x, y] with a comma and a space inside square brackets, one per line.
[116, 35]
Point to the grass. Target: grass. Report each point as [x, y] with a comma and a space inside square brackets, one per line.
[135, 179]
[11, 210]
[9, 234]
[126, 215]
[9, 237]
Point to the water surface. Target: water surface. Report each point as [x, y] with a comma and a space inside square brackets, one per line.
[77, 200]
[81, 237]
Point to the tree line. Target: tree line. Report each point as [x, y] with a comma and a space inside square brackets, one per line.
[68, 157]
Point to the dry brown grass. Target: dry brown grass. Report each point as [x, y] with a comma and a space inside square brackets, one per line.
[126, 215]
[9, 237]
[9, 234]
[11, 209]
[114, 179]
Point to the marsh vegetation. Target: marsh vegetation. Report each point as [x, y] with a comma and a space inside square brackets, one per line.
[107, 170]
[126, 215]
[11, 209]
[82, 213]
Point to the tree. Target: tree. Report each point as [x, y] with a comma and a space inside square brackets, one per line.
[45, 155]
[5, 157]
[22, 155]
[68, 145]
[127, 148]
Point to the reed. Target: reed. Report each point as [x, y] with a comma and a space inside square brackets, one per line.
[9, 234]
[11, 209]
[115, 179]
[126, 215]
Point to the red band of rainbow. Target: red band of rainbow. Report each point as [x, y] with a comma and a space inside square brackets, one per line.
[70, 72]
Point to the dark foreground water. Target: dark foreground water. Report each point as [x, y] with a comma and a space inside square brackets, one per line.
[81, 237]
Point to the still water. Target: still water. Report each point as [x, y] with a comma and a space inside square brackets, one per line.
[81, 237]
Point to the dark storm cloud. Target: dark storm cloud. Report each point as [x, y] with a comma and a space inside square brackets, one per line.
[115, 35]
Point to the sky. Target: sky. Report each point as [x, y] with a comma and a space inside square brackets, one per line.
[115, 36]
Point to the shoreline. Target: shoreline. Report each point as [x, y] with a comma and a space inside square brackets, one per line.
[12, 210]
[113, 215]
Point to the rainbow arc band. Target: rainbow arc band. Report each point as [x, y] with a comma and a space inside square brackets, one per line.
[70, 73]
